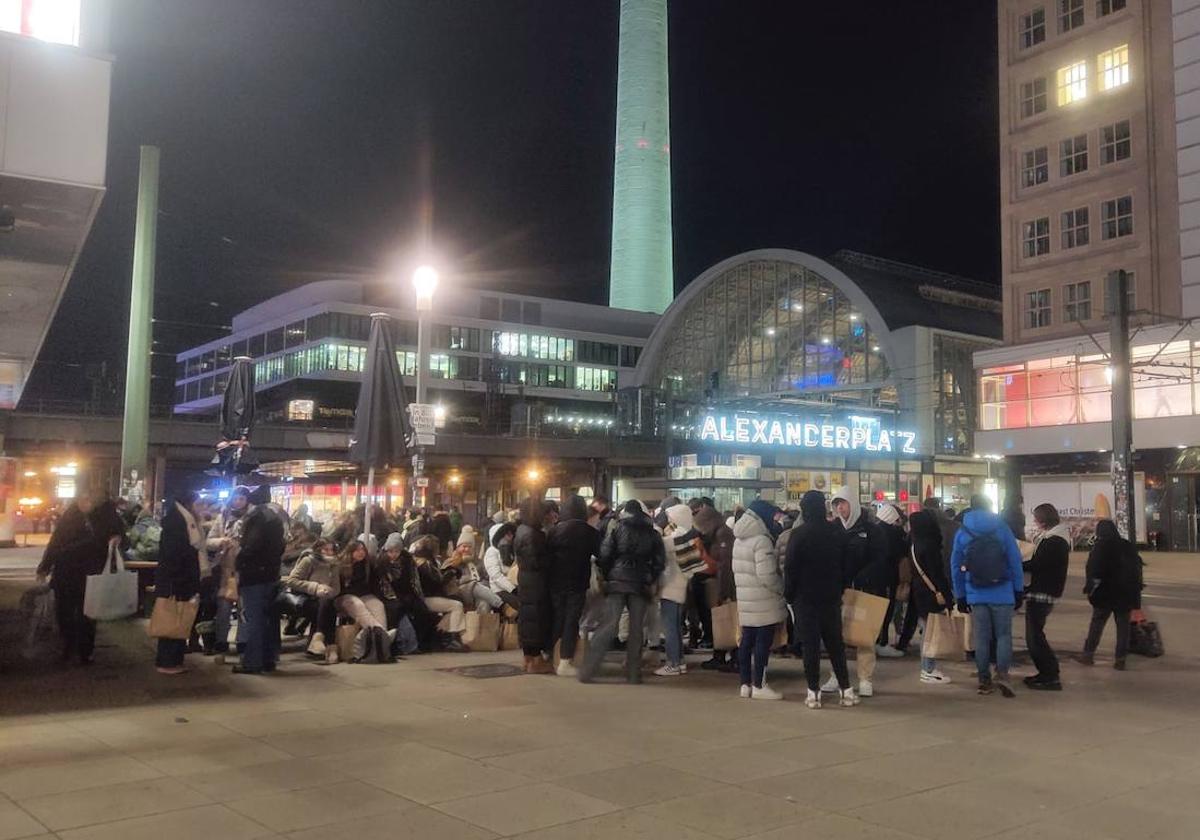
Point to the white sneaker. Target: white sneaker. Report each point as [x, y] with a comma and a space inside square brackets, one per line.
[865, 689]
[813, 700]
[668, 670]
[765, 693]
[745, 691]
[566, 668]
[849, 697]
[935, 676]
[830, 686]
[888, 652]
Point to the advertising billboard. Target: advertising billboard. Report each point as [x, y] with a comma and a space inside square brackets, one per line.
[56, 21]
[1081, 500]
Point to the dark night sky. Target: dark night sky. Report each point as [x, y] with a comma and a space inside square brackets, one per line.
[291, 129]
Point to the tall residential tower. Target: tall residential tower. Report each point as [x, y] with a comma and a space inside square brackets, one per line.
[641, 275]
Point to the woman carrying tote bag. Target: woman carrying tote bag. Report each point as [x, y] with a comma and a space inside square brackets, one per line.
[177, 579]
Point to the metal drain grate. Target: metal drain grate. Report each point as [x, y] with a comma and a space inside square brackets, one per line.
[485, 672]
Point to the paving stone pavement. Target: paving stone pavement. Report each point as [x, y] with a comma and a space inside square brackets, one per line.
[388, 752]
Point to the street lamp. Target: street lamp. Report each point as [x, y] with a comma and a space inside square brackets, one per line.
[533, 474]
[425, 282]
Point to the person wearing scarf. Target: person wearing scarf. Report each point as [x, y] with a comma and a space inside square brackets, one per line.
[178, 574]
[1048, 577]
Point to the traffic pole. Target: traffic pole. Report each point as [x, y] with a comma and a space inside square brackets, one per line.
[1125, 514]
[135, 431]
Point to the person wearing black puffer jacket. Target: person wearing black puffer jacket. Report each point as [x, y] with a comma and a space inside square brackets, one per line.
[572, 543]
[1048, 570]
[632, 557]
[258, 564]
[535, 621]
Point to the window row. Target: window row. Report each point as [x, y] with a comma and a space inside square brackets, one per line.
[556, 376]
[1077, 303]
[1116, 220]
[1115, 145]
[1069, 16]
[1072, 83]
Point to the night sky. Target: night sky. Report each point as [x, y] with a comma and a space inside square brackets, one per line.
[291, 132]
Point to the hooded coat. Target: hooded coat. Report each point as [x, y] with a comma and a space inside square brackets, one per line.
[867, 566]
[572, 544]
[926, 540]
[493, 559]
[532, 555]
[1114, 571]
[975, 524]
[718, 541]
[813, 566]
[673, 583]
[756, 572]
[178, 572]
[631, 555]
[312, 571]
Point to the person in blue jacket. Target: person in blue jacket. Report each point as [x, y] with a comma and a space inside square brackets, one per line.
[988, 584]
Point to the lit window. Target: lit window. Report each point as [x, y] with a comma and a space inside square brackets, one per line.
[1107, 7]
[1116, 217]
[1035, 168]
[1033, 98]
[1075, 228]
[1070, 15]
[1113, 67]
[1114, 142]
[299, 410]
[594, 379]
[1037, 309]
[1035, 237]
[1072, 83]
[1033, 28]
[1077, 301]
[1072, 155]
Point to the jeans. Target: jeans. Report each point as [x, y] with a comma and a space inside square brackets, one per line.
[262, 633]
[1096, 630]
[815, 624]
[756, 642]
[568, 610]
[406, 641]
[672, 622]
[479, 596]
[1036, 613]
[615, 605]
[989, 620]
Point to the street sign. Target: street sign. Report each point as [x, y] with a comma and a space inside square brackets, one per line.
[422, 416]
[423, 481]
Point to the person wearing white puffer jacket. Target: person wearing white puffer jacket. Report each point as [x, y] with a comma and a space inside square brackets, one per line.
[760, 595]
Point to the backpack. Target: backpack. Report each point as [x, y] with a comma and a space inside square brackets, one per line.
[985, 558]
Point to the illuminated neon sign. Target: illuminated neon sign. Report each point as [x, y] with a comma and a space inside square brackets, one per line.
[859, 435]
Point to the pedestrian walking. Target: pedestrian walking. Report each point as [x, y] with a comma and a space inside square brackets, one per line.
[572, 543]
[1047, 568]
[813, 579]
[989, 584]
[535, 621]
[630, 562]
[1114, 589]
[178, 573]
[760, 595]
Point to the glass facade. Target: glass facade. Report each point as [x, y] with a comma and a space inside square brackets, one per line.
[770, 327]
[1075, 389]
[955, 404]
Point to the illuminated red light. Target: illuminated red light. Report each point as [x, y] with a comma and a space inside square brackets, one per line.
[879, 495]
[643, 143]
[904, 495]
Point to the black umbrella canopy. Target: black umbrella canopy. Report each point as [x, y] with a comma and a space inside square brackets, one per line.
[237, 421]
[381, 419]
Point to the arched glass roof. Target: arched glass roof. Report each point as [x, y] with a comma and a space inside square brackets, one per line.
[771, 325]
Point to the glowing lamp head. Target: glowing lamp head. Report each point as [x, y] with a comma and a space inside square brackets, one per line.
[533, 474]
[425, 281]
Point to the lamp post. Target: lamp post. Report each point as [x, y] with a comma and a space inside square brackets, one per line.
[425, 281]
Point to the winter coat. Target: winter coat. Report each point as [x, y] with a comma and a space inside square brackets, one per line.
[756, 571]
[1114, 575]
[718, 541]
[813, 565]
[925, 540]
[493, 562]
[572, 543]
[261, 553]
[677, 538]
[1048, 565]
[178, 572]
[312, 570]
[533, 560]
[977, 523]
[443, 529]
[632, 556]
[949, 528]
[897, 553]
[867, 565]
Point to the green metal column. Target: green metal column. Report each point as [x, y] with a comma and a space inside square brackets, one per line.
[135, 433]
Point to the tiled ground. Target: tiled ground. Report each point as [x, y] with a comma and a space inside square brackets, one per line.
[408, 751]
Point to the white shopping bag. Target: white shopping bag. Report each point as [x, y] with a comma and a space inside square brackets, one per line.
[112, 594]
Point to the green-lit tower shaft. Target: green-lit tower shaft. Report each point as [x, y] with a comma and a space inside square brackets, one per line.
[641, 276]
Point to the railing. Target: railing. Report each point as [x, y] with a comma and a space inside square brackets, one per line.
[87, 408]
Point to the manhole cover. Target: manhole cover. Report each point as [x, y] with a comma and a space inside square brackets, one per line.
[485, 672]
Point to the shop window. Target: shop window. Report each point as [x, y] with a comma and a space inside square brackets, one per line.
[300, 411]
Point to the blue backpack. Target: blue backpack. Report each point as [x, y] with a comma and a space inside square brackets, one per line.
[985, 558]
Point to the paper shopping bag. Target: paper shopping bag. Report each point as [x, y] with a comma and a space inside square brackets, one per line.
[112, 594]
[943, 635]
[172, 618]
[483, 631]
[862, 618]
[510, 638]
[725, 626]
[346, 636]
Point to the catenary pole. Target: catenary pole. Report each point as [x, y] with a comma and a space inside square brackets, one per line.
[1124, 499]
[135, 431]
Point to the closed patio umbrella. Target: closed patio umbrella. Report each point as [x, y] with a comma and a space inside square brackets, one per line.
[237, 422]
[381, 419]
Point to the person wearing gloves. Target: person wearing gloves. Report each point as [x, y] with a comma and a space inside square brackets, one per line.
[989, 584]
[317, 574]
[498, 560]
[759, 593]
[866, 568]
[813, 586]
[681, 543]
[1048, 578]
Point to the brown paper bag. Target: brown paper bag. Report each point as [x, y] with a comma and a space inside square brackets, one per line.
[346, 634]
[483, 631]
[726, 630]
[172, 619]
[510, 639]
[862, 618]
[944, 635]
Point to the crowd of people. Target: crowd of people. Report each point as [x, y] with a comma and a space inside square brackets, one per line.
[580, 573]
